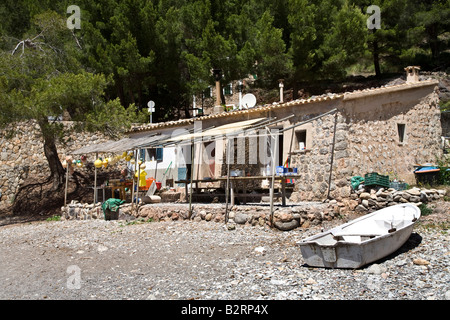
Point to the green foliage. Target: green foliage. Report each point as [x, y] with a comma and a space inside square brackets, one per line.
[345, 42]
[444, 172]
[164, 50]
[445, 106]
[413, 32]
[41, 78]
[424, 210]
[54, 218]
[326, 38]
[128, 52]
[270, 51]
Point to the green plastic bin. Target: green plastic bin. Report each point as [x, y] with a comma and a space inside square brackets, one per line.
[375, 179]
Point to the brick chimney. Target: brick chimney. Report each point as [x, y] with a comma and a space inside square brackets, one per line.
[412, 74]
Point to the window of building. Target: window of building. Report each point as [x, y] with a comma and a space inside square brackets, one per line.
[301, 139]
[401, 128]
[228, 89]
[155, 154]
[207, 93]
[142, 155]
[209, 149]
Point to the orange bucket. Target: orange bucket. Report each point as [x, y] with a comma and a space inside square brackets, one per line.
[148, 183]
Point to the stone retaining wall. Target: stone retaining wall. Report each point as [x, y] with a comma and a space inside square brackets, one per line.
[285, 218]
[22, 155]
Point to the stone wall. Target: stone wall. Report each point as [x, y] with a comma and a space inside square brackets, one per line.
[284, 218]
[314, 164]
[367, 140]
[22, 156]
[373, 143]
[362, 201]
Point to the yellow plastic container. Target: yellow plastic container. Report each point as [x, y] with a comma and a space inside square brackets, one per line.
[142, 182]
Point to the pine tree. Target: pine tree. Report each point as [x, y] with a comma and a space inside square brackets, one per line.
[40, 80]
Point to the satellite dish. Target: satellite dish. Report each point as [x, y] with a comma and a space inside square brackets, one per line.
[248, 101]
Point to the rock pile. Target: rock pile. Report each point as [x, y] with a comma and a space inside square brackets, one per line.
[369, 200]
[81, 211]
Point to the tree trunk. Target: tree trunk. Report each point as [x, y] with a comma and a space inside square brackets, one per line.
[433, 41]
[222, 96]
[57, 171]
[295, 90]
[119, 89]
[376, 56]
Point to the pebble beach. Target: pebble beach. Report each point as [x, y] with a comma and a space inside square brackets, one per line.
[189, 260]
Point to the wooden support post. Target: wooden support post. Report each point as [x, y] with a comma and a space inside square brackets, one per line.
[244, 191]
[95, 179]
[67, 183]
[272, 186]
[232, 193]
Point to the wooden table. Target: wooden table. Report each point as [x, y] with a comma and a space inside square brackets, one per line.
[247, 178]
[121, 188]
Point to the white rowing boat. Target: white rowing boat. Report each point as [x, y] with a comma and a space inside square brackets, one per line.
[363, 240]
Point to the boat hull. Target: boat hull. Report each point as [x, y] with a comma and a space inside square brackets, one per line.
[361, 241]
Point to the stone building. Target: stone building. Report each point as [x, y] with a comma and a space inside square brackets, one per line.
[386, 130]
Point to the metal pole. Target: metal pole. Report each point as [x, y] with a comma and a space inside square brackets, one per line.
[132, 188]
[273, 179]
[136, 163]
[228, 180]
[332, 155]
[95, 179]
[240, 94]
[137, 185]
[192, 177]
[67, 182]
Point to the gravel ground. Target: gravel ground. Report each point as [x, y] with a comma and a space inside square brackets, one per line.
[99, 259]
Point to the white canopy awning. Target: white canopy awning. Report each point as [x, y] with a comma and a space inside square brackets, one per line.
[119, 146]
[221, 130]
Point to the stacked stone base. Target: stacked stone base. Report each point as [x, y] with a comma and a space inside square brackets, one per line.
[284, 218]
